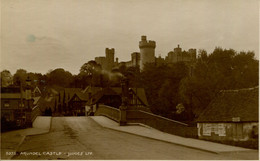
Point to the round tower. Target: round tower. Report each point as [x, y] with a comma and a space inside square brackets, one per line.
[147, 51]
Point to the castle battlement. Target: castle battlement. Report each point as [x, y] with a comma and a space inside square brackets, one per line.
[110, 51]
[147, 44]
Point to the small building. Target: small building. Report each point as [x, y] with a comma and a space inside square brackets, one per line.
[77, 103]
[112, 96]
[16, 105]
[232, 116]
[61, 104]
[13, 102]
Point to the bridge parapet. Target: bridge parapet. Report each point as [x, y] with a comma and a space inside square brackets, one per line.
[109, 112]
[152, 120]
[161, 123]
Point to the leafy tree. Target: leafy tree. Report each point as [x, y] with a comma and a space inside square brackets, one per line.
[90, 73]
[161, 83]
[133, 74]
[245, 70]
[168, 93]
[221, 70]
[20, 77]
[59, 77]
[6, 78]
[152, 78]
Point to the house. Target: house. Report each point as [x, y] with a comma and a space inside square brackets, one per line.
[36, 92]
[77, 103]
[107, 96]
[14, 103]
[232, 115]
[61, 104]
[111, 96]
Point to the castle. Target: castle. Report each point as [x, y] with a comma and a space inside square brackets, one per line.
[146, 55]
[178, 55]
[107, 62]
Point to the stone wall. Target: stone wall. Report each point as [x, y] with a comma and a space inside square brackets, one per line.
[161, 123]
[152, 120]
[108, 111]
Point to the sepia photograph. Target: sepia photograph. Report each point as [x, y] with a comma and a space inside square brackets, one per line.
[129, 79]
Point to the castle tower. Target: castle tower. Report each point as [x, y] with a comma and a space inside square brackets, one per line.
[193, 54]
[147, 51]
[110, 56]
[178, 54]
[135, 59]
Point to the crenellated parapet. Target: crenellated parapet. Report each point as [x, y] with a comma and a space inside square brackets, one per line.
[110, 52]
[146, 44]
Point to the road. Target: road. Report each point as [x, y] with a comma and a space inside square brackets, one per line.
[83, 138]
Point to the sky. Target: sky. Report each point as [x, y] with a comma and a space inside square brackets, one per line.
[40, 35]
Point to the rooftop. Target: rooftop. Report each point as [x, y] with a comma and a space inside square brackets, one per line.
[230, 104]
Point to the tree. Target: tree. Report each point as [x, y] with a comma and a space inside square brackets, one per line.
[245, 70]
[131, 74]
[90, 73]
[20, 77]
[59, 77]
[221, 70]
[161, 83]
[6, 78]
[168, 93]
[152, 78]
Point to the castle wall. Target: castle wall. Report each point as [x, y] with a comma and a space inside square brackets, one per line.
[100, 60]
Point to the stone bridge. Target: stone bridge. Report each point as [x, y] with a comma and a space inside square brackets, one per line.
[133, 116]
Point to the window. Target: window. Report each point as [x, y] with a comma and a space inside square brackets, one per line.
[6, 104]
[21, 105]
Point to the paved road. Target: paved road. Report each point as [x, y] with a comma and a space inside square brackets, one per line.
[83, 138]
